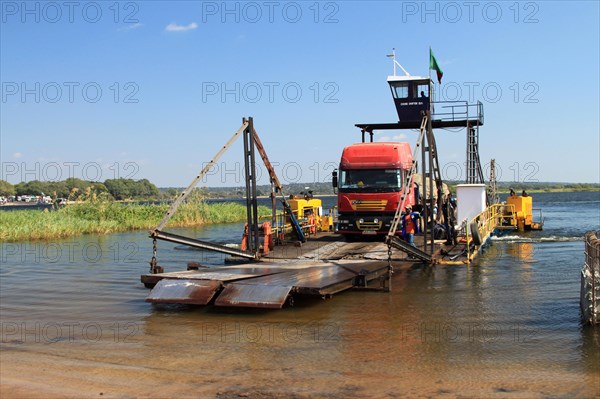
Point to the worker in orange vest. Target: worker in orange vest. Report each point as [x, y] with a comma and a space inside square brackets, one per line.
[410, 225]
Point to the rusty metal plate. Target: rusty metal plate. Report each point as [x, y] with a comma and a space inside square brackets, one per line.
[195, 292]
[313, 277]
[253, 296]
[222, 274]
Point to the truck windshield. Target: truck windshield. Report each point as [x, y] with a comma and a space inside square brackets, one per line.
[370, 180]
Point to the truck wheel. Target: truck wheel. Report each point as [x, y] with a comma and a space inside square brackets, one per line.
[475, 233]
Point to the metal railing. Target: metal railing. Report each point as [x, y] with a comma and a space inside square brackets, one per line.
[450, 111]
[540, 216]
[493, 217]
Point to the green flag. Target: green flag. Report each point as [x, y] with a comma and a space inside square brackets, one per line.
[433, 64]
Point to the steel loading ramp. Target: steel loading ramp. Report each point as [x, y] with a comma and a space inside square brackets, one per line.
[409, 249]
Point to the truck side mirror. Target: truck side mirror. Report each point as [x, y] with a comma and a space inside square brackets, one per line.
[334, 179]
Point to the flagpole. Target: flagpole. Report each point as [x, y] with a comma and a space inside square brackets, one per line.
[430, 83]
[429, 63]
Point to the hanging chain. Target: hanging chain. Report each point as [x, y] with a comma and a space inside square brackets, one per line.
[390, 268]
[153, 262]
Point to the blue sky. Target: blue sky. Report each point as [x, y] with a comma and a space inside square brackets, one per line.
[152, 89]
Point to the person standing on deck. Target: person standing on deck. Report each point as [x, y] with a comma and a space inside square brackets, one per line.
[449, 213]
[410, 225]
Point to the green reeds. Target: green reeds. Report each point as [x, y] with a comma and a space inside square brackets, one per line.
[108, 217]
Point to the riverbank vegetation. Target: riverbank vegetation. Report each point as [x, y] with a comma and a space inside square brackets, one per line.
[121, 189]
[103, 217]
[73, 188]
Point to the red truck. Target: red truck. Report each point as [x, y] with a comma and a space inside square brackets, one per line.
[370, 182]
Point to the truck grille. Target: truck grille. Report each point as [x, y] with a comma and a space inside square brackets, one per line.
[369, 205]
[369, 225]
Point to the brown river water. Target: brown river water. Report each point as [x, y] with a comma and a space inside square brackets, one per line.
[74, 323]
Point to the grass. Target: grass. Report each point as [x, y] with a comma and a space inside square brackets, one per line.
[109, 217]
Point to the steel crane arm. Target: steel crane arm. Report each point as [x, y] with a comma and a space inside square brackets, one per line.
[265, 159]
[193, 184]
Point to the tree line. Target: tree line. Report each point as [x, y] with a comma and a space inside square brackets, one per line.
[74, 188]
[124, 189]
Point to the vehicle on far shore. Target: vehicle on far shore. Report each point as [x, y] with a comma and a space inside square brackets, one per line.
[28, 200]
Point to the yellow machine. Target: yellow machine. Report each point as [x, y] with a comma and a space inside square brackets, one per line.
[523, 210]
[304, 207]
[309, 213]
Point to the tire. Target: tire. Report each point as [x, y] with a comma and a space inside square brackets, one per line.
[475, 233]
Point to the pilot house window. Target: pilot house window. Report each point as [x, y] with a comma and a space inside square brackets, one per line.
[422, 90]
[400, 91]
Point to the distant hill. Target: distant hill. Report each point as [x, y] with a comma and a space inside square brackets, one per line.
[327, 189]
[261, 190]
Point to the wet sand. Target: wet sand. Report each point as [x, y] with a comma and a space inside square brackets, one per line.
[36, 374]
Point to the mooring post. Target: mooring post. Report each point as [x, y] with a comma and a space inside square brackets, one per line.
[590, 279]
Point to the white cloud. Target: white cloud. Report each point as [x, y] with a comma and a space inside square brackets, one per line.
[449, 61]
[17, 155]
[130, 27]
[398, 137]
[173, 27]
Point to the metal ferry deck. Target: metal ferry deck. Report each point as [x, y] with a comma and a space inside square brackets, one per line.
[327, 265]
[321, 267]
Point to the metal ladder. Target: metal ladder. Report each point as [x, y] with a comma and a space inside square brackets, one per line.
[434, 173]
[492, 189]
[408, 181]
[474, 170]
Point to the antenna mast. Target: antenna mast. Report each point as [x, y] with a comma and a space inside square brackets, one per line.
[393, 57]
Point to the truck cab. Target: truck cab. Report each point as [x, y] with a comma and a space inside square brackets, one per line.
[371, 178]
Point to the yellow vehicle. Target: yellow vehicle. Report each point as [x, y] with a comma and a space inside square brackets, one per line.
[308, 212]
[523, 212]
